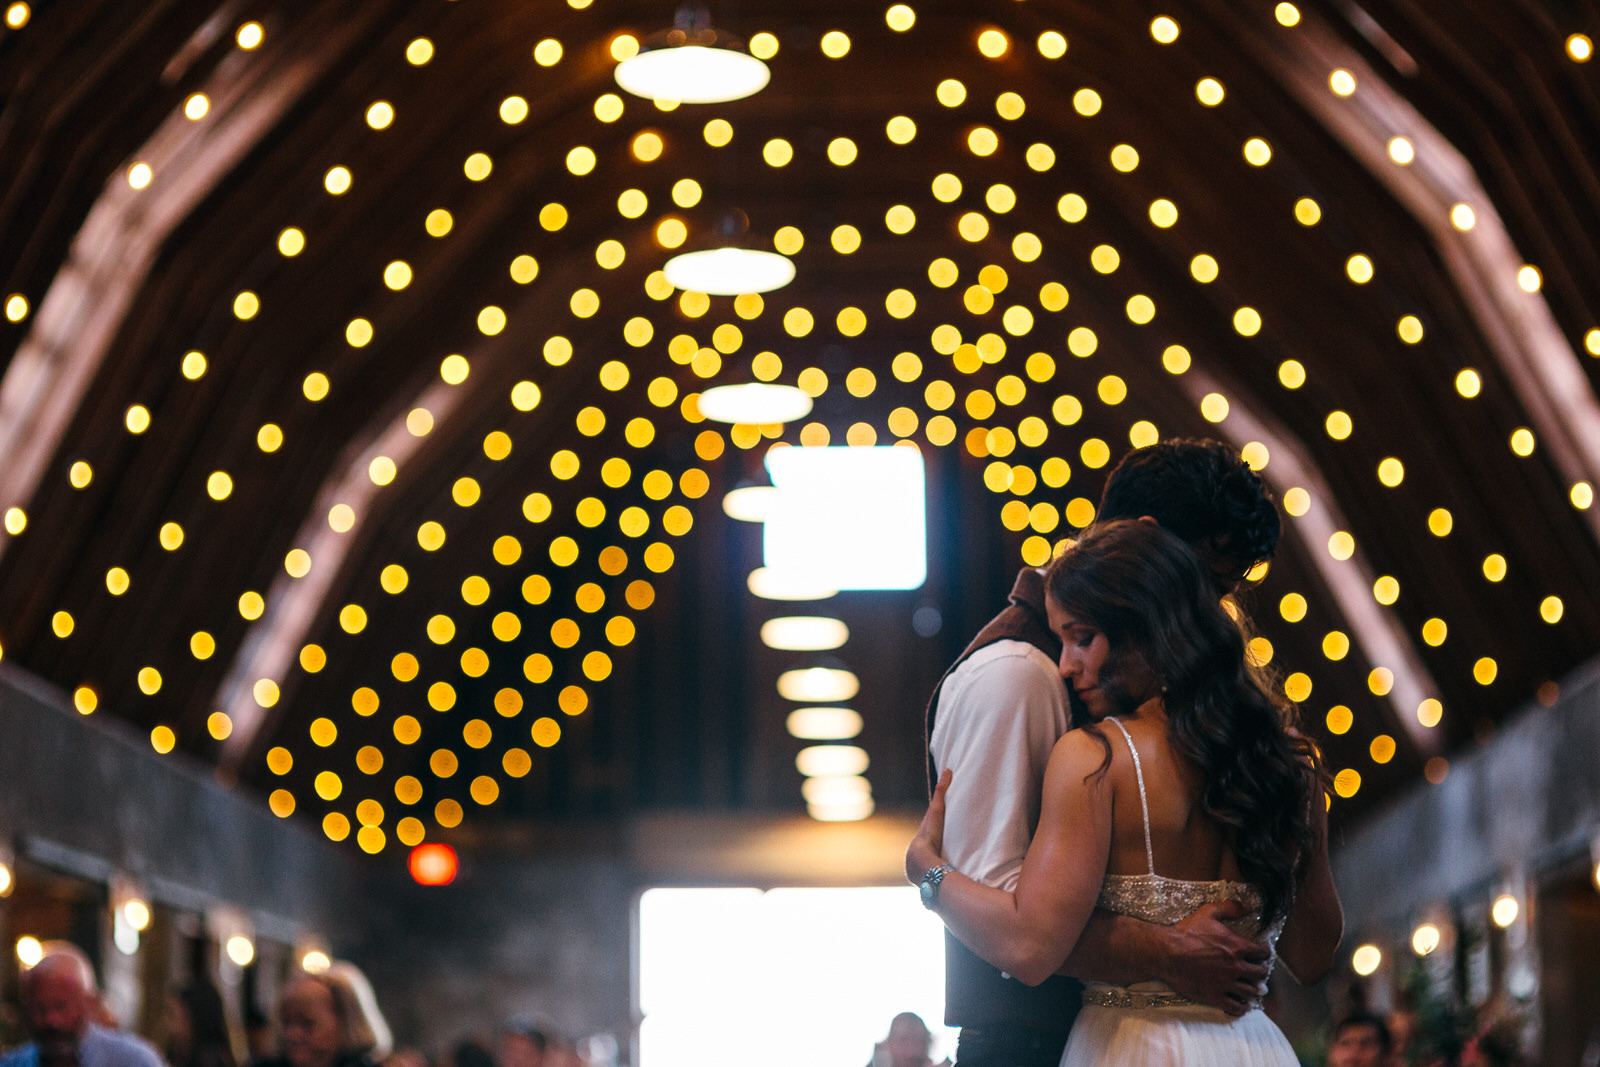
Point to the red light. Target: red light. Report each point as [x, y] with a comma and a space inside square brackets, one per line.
[433, 864]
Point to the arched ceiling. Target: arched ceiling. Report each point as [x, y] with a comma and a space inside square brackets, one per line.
[1182, 252]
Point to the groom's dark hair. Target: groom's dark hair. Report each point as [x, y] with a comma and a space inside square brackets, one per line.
[1204, 492]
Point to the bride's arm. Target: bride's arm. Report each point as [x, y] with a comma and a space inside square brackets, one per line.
[1028, 932]
[1316, 920]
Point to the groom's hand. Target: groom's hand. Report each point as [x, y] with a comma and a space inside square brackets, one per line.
[926, 850]
[1212, 965]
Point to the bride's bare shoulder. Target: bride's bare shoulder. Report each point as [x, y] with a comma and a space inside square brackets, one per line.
[1084, 751]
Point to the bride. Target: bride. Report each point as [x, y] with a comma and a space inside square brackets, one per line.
[1189, 768]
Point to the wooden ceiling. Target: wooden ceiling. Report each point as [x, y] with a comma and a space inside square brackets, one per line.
[120, 284]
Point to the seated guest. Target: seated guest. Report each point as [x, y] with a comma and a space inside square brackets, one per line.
[59, 1001]
[907, 1044]
[1360, 1040]
[522, 1044]
[197, 1028]
[325, 1023]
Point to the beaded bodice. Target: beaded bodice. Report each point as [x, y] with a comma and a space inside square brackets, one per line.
[1156, 899]
[1166, 901]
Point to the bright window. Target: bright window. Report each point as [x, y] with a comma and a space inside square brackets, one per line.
[786, 977]
[848, 518]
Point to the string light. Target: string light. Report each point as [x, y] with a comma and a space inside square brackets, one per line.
[927, 410]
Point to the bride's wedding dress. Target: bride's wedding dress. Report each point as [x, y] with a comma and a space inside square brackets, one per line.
[1149, 1025]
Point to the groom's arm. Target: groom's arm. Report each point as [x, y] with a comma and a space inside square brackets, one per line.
[1200, 957]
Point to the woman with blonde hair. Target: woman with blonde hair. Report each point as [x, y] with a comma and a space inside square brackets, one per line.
[330, 1020]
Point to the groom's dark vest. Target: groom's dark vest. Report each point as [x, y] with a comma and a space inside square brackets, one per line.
[975, 993]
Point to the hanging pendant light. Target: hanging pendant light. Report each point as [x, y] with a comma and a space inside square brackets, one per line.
[729, 271]
[755, 403]
[729, 267]
[692, 63]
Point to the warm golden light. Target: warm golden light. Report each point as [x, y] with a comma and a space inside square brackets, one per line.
[241, 950]
[824, 724]
[1505, 910]
[1366, 960]
[831, 760]
[1551, 609]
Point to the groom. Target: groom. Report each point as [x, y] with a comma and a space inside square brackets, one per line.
[996, 715]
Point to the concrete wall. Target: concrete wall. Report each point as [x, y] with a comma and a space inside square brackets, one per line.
[546, 938]
[88, 795]
[1528, 801]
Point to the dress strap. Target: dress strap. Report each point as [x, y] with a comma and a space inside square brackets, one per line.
[1144, 803]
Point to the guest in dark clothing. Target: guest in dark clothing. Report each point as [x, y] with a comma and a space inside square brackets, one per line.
[197, 1028]
[471, 1054]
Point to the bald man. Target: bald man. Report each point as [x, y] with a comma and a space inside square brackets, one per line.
[58, 1000]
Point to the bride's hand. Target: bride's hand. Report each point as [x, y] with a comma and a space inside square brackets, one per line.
[926, 850]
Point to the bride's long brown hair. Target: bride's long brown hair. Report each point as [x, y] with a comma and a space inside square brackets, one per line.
[1151, 596]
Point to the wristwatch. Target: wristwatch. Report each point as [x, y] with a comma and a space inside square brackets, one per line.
[930, 884]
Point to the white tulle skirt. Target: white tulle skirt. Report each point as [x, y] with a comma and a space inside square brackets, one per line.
[1191, 1036]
